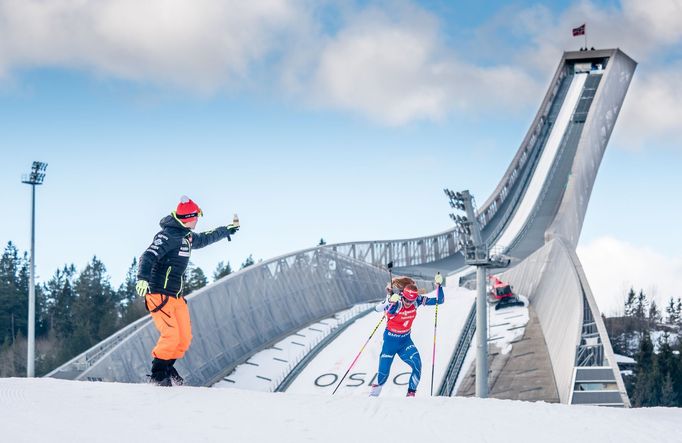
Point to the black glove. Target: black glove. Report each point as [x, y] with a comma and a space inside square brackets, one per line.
[234, 226]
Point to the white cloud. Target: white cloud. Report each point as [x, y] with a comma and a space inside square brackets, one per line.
[197, 45]
[386, 70]
[388, 61]
[655, 21]
[653, 110]
[395, 66]
[395, 69]
[613, 266]
[389, 64]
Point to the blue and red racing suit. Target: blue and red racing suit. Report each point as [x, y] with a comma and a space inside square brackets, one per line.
[397, 338]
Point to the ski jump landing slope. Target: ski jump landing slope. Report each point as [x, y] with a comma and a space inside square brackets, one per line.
[539, 205]
[323, 374]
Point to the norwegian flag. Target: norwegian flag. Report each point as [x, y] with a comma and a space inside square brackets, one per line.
[580, 30]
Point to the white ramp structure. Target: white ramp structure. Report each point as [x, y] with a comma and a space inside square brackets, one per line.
[535, 215]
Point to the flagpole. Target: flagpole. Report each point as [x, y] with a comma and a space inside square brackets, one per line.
[585, 34]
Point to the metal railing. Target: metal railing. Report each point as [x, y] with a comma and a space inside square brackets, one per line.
[406, 252]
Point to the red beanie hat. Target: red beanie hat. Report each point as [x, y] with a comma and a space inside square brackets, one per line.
[187, 211]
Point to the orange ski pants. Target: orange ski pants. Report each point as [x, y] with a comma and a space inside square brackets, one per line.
[173, 322]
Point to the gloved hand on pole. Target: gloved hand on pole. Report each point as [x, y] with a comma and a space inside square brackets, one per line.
[438, 279]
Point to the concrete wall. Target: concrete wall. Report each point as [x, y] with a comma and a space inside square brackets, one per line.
[548, 279]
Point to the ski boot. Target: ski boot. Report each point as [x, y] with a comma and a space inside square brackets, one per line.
[159, 374]
[411, 393]
[175, 378]
[375, 390]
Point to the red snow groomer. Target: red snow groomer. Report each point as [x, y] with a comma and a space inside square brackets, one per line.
[501, 294]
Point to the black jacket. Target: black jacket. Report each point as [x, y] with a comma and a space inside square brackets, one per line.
[164, 262]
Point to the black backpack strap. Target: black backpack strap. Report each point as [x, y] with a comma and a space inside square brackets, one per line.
[164, 300]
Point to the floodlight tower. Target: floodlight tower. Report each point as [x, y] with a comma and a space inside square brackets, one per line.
[34, 178]
[476, 253]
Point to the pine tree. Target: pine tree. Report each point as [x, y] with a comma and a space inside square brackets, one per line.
[196, 279]
[664, 368]
[126, 293]
[643, 390]
[676, 373]
[654, 315]
[630, 303]
[640, 307]
[672, 316]
[222, 270]
[248, 262]
[13, 357]
[61, 297]
[131, 305]
[668, 394]
[13, 299]
[95, 308]
[42, 312]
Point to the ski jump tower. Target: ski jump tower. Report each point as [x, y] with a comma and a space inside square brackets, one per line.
[535, 216]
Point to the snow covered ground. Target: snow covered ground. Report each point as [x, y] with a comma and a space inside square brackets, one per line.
[50, 410]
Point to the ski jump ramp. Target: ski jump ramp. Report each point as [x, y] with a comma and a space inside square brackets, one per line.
[535, 216]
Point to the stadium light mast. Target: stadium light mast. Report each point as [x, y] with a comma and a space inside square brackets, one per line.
[476, 253]
[34, 178]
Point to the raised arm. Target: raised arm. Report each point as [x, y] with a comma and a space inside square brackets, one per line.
[440, 297]
[201, 239]
[430, 301]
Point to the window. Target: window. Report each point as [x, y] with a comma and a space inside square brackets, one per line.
[596, 386]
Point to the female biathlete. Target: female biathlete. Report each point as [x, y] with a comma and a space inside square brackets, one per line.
[401, 309]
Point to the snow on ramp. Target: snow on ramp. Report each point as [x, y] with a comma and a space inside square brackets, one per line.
[265, 370]
[45, 409]
[507, 325]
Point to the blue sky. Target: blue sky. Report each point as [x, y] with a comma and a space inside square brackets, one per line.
[341, 120]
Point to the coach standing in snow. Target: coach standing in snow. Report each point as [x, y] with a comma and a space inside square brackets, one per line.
[160, 279]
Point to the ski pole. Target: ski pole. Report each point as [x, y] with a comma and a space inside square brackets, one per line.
[358, 356]
[433, 354]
